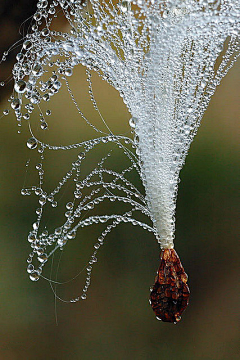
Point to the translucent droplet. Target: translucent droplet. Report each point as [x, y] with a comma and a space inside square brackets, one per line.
[42, 258]
[32, 143]
[46, 97]
[71, 235]
[42, 201]
[45, 32]
[5, 112]
[37, 70]
[34, 276]
[27, 44]
[35, 99]
[31, 238]
[68, 72]
[19, 56]
[58, 231]
[20, 86]
[39, 211]
[69, 205]
[37, 16]
[44, 125]
[57, 85]
[26, 116]
[132, 122]
[30, 268]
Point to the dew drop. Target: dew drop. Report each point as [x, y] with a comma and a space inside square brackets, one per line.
[37, 70]
[34, 276]
[27, 45]
[68, 72]
[32, 143]
[20, 86]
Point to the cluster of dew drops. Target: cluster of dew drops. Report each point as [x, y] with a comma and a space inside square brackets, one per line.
[29, 92]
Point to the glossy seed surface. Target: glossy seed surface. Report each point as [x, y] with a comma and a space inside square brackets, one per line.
[170, 293]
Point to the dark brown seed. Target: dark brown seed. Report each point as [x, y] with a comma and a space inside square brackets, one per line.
[170, 293]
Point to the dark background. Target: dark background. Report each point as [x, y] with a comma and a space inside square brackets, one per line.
[116, 321]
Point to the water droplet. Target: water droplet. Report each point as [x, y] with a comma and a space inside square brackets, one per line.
[46, 97]
[132, 122]
[58, 231]
[32, 143]
[37, 70]
[30, 268]
[68, 72]
[31, 238]
[42, 258]
[34, 99]
[19, 56]
[20, 86]
[69, 205]
[34, 276]
[57, 85]
[44, 125]
[45, 32]
[27, 45]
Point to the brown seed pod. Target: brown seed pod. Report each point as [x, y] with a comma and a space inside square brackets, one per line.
[170, 294]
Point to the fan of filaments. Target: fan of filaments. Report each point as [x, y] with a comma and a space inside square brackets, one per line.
[43, 68]
[165, 58]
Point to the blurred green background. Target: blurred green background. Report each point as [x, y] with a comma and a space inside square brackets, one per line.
[116, 321]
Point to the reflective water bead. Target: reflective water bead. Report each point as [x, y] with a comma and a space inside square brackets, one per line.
[58, 231]
[46, 97]
[45, 32]
[43, 4]
[132, 122]
[71, 235]
[31, 238]
[44, 125]
[26, 116]
[27, 45]
[5, 112]
[37, 70]
[35, 99]
[34, 276]
[35, 225]
[57, 85]
[30, 268]
[25, 192]
[38, 191]
[39, 211]
[68, 72]
[69, 205]
[32, 143]
[42, 201]
[20, 86]
[42, 258]
[19, 56]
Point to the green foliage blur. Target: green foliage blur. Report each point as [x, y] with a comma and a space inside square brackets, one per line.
[116, 321]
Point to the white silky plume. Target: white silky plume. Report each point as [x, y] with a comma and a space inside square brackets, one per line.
[171, 55]
[165, 58]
